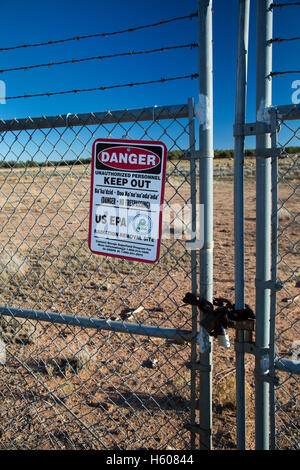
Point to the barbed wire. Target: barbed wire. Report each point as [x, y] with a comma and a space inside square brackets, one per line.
[284, 39]
[108, 56]
[102, 88]
[273, 74]
[98, 35]
[288, 4]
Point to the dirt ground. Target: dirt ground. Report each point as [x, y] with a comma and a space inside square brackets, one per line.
[63, 387]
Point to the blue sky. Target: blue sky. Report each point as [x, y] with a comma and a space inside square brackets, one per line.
[36, 21]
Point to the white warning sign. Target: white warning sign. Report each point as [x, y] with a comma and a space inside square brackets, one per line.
[127, 193]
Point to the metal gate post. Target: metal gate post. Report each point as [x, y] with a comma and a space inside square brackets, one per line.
[239, 147]
[206, 198]
[263, 222]
[192, 142]
[274, 234]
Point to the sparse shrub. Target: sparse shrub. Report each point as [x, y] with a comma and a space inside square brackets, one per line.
[64, 390]
[223, 153]
[66, 366]
[225, 393]
[13, 269]
[17, 330]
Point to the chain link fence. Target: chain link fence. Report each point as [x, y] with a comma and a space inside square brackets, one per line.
[286, 265]
[63, 385]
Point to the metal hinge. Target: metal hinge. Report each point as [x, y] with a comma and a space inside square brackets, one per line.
[258, 352]
[198, 366]
[268, 153]
[274, 380]
[253, 128]
[193, 427]
[276, 286]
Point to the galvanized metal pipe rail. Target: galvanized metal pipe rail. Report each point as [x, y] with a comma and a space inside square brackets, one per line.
[264, 27]
[206, 198]
[287, 112]
[90, 119]
[172, 334]
[273, 305]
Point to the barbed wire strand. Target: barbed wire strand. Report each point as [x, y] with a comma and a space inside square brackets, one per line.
[102, 88]
[273, 74]
[97, 35]
[284, 39]
[289, 4]
[108, 56]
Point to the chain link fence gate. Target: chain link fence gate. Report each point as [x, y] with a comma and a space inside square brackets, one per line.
[284, 331]
[276, 346]
[277, 332]
[70, 377]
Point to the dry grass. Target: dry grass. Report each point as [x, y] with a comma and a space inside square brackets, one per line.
[225, 393]
[284, 214]
[13, 266]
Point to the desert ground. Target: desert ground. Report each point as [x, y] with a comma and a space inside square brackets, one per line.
[63, 387]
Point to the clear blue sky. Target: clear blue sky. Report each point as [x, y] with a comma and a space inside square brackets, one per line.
[38, 21]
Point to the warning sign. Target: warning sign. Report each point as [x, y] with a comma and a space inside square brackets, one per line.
[127, 193]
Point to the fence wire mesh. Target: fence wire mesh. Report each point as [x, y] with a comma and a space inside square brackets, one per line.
[287, 334]
[68, 387]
